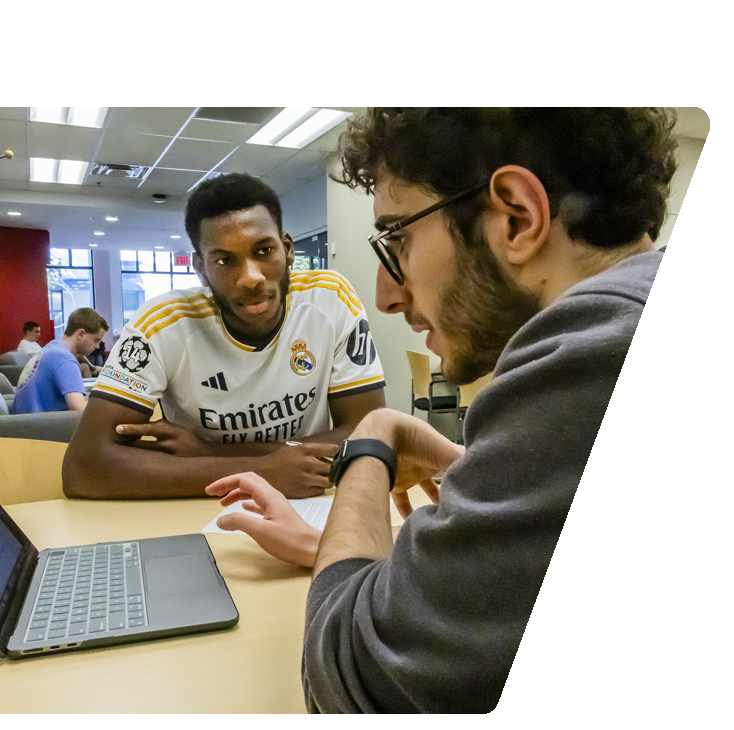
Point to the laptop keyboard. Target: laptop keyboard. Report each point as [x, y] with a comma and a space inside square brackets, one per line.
[87, 590]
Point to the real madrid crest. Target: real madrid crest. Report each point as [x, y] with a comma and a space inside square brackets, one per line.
[303, 361]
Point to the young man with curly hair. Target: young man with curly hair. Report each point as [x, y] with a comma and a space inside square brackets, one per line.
[521, 241]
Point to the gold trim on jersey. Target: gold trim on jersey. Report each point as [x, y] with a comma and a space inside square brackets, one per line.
[165, 313]
[303, 280]
[124, 394]
[356, 384]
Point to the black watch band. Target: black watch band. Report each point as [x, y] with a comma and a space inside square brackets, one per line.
[349, 451]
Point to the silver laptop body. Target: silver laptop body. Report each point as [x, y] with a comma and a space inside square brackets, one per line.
[88, 596]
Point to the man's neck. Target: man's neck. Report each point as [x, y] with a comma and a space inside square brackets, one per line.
[70, 344]
[574, 262]
[231, 325]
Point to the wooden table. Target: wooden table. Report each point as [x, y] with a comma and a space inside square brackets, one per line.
[253, 668]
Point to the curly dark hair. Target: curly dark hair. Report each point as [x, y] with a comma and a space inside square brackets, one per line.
[607, 171]
[227, 194]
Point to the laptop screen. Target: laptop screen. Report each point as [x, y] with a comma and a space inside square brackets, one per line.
[17, 560]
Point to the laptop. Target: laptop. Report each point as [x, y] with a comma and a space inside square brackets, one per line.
[87, 596]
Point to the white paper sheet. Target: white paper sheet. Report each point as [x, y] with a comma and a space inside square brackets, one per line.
[314, 511]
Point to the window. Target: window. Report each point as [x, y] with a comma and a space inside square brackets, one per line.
[70, 284]
[146, 274]
[311, 253]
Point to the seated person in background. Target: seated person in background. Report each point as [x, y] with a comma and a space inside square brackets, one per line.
[52, 380]
[98, 357]
[521, 241]
[87, 369]
[256, 359]
[31, 334]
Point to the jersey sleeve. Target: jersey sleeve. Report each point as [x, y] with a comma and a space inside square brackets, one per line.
[134, 375]
[356, 365]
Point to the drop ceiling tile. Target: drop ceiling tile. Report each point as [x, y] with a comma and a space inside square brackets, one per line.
[283, 185]
[11, 185]
[153, 120]
[16, 113]
[305, 165]
[219, 131]
[170, 182]
[255, 159]
[16, 169]
[195, 154]
[104, 182]
[121, 147]
[12, 137]
[62, 142]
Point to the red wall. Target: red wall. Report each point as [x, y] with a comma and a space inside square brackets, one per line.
[24, 253]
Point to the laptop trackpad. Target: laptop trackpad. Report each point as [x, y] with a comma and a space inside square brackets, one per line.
[180, 574]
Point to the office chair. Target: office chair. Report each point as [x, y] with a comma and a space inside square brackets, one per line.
[30, 470]
[468, 393]
[422, 397]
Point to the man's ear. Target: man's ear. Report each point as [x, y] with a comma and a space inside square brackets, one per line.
[198, 264]
[520, 213]
[290, 249]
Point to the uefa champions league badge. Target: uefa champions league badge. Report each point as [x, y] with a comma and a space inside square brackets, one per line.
[303, 361]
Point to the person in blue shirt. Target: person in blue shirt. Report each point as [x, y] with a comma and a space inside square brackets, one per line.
[52, 380]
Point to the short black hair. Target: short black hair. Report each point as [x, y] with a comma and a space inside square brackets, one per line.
[228, 194]
[606, 170]
[30, 325]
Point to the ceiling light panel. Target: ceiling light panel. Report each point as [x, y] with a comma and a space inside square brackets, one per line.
[312, 128]
[87, 116]
[295, 127]
[49, 114]
[77, 116]
[68, 172]
[71, 172]
[43, 169]
[285, 122]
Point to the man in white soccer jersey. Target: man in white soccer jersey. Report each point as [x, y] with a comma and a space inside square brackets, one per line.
[243, 367]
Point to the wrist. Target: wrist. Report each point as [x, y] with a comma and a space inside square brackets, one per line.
[311, 548]
[379, 425]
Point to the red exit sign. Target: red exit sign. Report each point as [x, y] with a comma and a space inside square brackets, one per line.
[182, 260]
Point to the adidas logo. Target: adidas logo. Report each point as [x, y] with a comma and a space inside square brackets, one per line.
[216, 381]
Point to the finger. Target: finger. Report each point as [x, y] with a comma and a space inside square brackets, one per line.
[251, 506]
[322, 451]
[402, 504]
[153, 446]
[252, 526]
[236, 495]
[431, 489]
[321, 468]
[136, 429]
[227, 484]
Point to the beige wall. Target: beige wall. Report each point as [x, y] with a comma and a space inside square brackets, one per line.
[690, 195]
[350, 222]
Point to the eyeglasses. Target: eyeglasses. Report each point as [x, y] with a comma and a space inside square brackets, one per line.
[377, 240]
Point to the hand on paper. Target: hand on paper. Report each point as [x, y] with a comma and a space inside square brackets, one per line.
[282, 532]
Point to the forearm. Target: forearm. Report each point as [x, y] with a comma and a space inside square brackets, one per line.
[118, 471]
[359, 521]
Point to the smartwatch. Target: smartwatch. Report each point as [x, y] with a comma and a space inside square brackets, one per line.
[350, 451]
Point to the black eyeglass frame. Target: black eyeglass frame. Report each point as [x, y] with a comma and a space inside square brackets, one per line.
[386, 256]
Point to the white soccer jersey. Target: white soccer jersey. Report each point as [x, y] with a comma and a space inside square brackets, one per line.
[176, 350]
